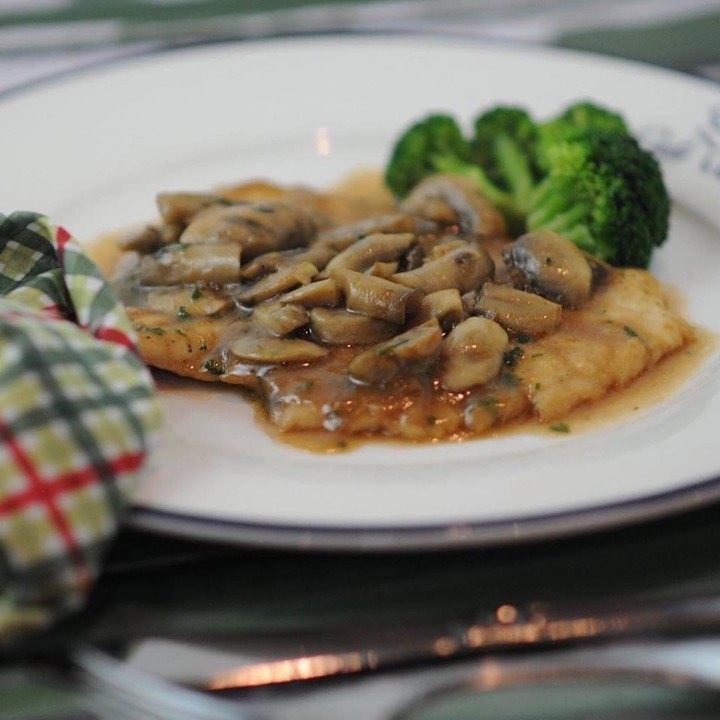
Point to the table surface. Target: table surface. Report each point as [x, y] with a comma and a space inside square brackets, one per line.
[161, 593]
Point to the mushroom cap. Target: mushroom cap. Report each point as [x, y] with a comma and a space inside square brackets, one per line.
[552, 266]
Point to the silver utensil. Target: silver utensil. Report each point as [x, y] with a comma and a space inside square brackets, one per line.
[643, 641]
[121, 692]
[383, 673]
[221, 664]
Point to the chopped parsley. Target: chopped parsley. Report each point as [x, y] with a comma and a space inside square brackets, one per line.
[390, 348]
[214, 366]
[182, 313]
[196, 294]
[184, 334]
[629, 331]
[490, 404]
[560, 427]
[151, 330]
[511, 357]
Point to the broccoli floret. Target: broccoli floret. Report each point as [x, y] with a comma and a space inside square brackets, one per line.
[585, 116]
[420, 150]
[436, 144]
[606, 194]
[582, 174]
[504, 146]
[497, 159]
[578, 118]
[575, 120]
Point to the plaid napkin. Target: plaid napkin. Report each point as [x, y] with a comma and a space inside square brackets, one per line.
[77, 408]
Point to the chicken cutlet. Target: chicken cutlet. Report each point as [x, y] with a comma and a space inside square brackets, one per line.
[419, 321]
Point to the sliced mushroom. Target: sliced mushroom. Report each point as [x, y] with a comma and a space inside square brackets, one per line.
[170, 234]
[125, 278]
[181, 264]
[412, 349]
[266, 263]
[257, 227]
[550, 265]
[337, 326]
[381, 247]
[469, 300]
[430, 247]
[376, 297]
[280, 318]
[318, 255]
[413, 258]
[186, 302]
[494, 403]
[127, 266]
[472, 354]
[320, 293]
[179, 208]
[284, 279]
[442, 246]
[274, 351]
[517, 310]
[147, 239]
[445, 306]
[450, 199]
[464, 268]
[340, 238]
[383, 269]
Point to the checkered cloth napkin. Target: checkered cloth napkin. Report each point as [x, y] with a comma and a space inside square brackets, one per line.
[77, 409]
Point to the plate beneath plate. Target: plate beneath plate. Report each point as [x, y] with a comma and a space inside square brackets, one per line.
[98, 145]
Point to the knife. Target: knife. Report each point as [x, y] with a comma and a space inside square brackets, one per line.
[247, 662]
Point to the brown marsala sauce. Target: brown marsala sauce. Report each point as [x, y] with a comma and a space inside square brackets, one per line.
[651, 388]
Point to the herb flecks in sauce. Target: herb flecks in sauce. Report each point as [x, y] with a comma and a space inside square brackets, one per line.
[404, 396]
[560, 427]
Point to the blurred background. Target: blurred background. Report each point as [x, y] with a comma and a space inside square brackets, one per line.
[38, 37]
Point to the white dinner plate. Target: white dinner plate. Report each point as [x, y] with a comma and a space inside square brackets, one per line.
[92, 149]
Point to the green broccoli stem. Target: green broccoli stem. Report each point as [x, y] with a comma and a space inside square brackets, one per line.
[502, 200]
[560, 221]
[583, 238]
[554, 210]
[475, 173]
[571, 226]
[546, 203]
[516, 169]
